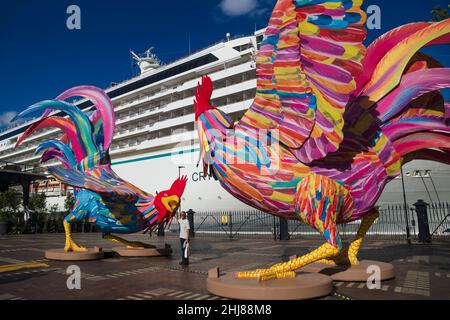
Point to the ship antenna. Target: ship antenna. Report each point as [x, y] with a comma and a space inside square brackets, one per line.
[189, 40]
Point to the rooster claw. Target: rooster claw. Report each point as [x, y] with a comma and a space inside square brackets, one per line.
[72, 246]
[265, 274]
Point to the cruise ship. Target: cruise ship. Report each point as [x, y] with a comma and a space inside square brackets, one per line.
[155, 139]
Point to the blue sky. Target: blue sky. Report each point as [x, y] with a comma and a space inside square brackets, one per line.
[40, 57]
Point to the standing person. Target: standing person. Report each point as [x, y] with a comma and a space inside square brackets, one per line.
[184, 237]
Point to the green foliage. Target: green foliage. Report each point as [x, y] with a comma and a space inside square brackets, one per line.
[9, 204]
[54, 209]
[38, 210]
[55, 219]
[439, 14]
[38, 202]
[69, 202]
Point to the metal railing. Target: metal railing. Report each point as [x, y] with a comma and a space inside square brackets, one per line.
[439, 219]
[391, 225]
[249, 223]
[256, 224]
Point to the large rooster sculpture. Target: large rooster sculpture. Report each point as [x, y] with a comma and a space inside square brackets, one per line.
[101, 197]
[332, 122]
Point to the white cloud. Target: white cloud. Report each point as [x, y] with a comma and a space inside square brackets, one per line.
[238, 7]
[5, 118]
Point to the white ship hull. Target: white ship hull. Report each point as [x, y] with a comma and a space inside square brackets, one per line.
[154, 172]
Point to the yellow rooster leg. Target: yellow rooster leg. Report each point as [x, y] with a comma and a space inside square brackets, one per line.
[353, 248]
[129, 244]
[70, 244]
[350, 255]
[287, 269]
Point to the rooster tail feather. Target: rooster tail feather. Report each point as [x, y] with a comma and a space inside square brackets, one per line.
[437, 155]
[52, 153]
[57, 149]
[389, 71]
[401, 108]
[378, 49]
[404, 126]
[412, 85]
[97, 123]
[422, 140]
[81, 122]
[103, 118]
[64, 124]
[87, 136]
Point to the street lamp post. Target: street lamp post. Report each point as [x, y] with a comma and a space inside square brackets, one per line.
[179, 170]
[408, 234]
[179, 175]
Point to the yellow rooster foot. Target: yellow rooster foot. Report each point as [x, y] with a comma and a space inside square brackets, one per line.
[278, 271]
[286, 269]
[129, 244]
[72, 246]
[265, 274]
[138, 245]
[345, 257]
[352, 255]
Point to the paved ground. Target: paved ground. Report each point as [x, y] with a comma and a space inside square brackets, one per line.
[423, 271]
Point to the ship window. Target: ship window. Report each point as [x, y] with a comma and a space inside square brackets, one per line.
[243, 47]
[189, 65]
[259, 39]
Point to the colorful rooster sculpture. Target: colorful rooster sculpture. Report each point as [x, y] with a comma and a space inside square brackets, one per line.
[332, 122]
[101, 197]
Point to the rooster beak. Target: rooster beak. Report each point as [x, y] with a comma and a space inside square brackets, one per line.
[171, 203]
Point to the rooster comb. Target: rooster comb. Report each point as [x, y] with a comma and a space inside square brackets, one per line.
[179, 184]
[203, 95]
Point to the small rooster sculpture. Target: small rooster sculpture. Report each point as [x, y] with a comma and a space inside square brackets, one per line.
[101, 196]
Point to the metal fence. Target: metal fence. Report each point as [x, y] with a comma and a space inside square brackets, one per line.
[256, 224]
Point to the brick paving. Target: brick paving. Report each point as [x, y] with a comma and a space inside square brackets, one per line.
[423, 270]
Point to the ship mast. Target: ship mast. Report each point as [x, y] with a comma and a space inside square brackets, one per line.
[147, 61]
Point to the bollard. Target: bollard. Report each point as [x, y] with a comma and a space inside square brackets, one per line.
[284, 231]
[422, 221]
[160, 232]
[190, 216]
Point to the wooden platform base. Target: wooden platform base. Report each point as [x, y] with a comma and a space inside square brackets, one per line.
[303, 286]
[143, 252]
[358, 273]
[61, 255]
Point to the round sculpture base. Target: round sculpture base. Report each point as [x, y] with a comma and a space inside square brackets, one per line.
[358, 273]
[62, 255]
[303, 286]
[143, 252]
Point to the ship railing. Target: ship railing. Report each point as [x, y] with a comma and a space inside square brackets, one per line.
[182, 58]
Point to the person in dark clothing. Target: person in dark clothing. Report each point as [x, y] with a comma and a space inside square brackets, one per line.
[190, 216]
